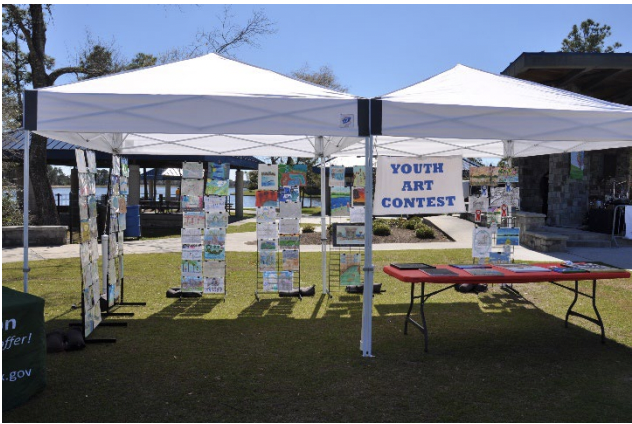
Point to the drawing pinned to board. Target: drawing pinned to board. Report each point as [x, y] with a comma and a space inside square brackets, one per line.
[191, 236]
[124, 166]
[289, 241]
[290, 260]
[266, 198]
[358, 196]
[359, 176]
[81, 161]
[337, 176]
[192, 252]
[289, 210]
[192, 203]
[289, 226]
[285, 281]
[211, 268]
[214, 284]
[356, 214]
[192, 170]
[91, 162]
[270, 281]
[214, 203]
[268, 177]
[191, 267]
[290, 175]
[267, 230]
[218, 219]
[340, 201]
[192, 187]
[218, 171]
[350, 272]
[190, 283]
[268, 244]
[266, 214]
[267, 260]
[217, 187]
[116, 165]
[289, 194]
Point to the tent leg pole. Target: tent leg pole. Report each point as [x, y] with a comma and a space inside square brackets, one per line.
[323, 225]
[25, 236]
[367, 304]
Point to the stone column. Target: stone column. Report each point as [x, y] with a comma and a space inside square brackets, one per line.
[133, 198]
[239, 194]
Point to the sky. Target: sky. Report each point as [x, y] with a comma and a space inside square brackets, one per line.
[372, 49]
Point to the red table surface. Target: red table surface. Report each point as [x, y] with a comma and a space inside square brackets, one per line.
[417, 276]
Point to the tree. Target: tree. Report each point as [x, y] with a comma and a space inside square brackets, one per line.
[225, 38]
[324, 77]
[588, 38]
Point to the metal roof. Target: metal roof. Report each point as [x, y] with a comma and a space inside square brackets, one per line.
[61, 153]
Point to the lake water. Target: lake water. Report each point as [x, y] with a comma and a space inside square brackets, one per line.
[249, 201]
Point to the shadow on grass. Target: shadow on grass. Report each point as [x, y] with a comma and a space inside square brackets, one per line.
[501, 353]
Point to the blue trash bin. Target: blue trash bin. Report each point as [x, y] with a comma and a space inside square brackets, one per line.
[132, 220]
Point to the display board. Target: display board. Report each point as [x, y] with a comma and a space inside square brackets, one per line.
[204, 224]
[278, 231]
[88, 247]
[117, 222]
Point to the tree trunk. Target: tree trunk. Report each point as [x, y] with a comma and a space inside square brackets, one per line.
[45, 210]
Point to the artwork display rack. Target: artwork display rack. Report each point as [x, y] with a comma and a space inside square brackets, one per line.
[278, 232]
[205, 221]
[112, 241]
[346, 257]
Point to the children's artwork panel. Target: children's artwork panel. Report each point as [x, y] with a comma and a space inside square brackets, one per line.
[348, 234]
[268, 177]
[192, 170]
[359, 176]
[217, 187]
[337, 176]
[340, 201]
[289, 210]
[218, 171]
[266, 198]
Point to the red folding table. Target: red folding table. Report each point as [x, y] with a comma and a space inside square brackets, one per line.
[416, 276]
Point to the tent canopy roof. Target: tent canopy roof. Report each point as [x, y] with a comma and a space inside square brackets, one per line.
[209, 105]
[474, 113]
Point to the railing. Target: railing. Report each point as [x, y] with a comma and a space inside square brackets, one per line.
[618, 224]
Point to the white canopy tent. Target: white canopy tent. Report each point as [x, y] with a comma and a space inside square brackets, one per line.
[468, 112]
[208, 105]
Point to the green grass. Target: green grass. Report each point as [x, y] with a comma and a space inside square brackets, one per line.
[493, 358]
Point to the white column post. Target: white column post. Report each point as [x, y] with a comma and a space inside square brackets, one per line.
[367, 304]
[25, 235]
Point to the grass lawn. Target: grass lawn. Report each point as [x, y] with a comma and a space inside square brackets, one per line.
[493, 358]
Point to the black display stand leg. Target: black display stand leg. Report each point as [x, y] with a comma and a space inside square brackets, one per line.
[598, 321]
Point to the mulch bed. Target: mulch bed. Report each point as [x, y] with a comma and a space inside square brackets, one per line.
[398, 235]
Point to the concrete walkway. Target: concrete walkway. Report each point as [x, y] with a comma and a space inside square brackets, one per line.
[458, 229]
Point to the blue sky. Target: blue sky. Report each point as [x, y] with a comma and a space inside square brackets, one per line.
[372, 49]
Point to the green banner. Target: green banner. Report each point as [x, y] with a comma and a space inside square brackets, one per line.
[23, 347]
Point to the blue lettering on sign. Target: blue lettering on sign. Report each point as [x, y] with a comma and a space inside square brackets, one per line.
[346, 119]
[418, 168]
[418, 202]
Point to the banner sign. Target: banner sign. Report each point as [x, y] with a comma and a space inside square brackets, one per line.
[426, 185]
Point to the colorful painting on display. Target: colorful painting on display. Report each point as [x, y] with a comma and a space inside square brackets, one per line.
[285, 281]
[268, 177]
[480, 176]
[218, 171]
[508, 236]
[507, 174]
[340, 201]
[359, 176]
[289, 194]
[192, 187]
[191, 283]
[266, 198]
[348, 235]
[270, 281]
[289, 241]
[358, 196]
[290, 260]
[266, 214]
[350, 269]
[193, 219]
[217, 187]
[336, 176]
[267, 260]
[292, 175]
[192, 203]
